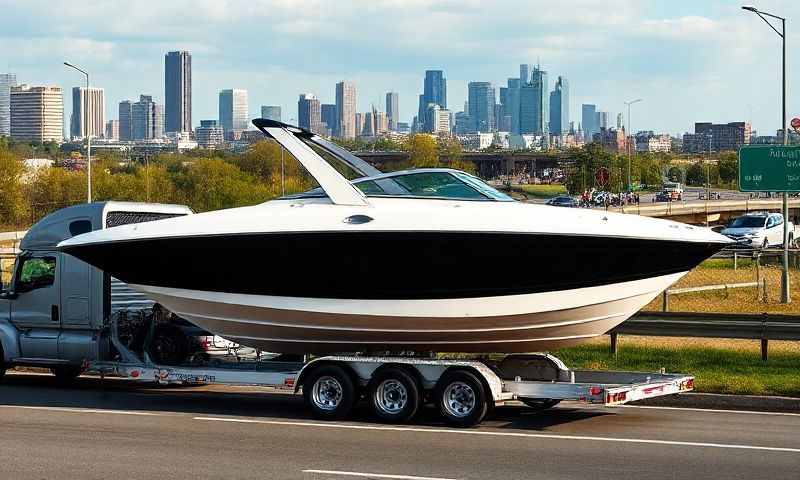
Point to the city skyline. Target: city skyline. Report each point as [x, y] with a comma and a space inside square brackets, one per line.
[670, 55]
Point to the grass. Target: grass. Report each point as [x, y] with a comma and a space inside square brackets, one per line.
[540, 191]
[719, 365]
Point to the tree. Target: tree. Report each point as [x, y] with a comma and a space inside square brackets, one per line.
[451, 149]
[12, 199]
[728, 168]
[423, 151]
[675, 174]
[696, 174]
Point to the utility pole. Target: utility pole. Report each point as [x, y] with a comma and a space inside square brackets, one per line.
[85, 115]
[630, 134]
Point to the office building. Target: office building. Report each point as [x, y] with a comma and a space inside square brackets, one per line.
[525, 70]
[125, 121]
[559, 107]
[652, 142]
[434, 92]
[233, 113]
[393, 110]
[359, 123]
[147, 119]
[271, 112]
[602, 120]
[88, 113]
[346, 109]
[328, 115]
[610, 139]
[534, 101]
[481, 106]
[209, 134]
[439, 119]
[511, 104]
[717, 137]
[112, 130]
[309, 113]
[178, 91]
[37, 113]
[588, 119]
[7, 80]
[620, 121]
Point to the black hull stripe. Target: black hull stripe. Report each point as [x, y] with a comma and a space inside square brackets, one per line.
[391, 265]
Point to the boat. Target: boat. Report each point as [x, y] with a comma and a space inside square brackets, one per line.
[418, 260]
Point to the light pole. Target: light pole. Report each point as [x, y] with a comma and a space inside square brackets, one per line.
[630, 148]
[785, 297]
[85, 108]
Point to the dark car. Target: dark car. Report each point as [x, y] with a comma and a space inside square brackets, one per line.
[563, 201]
[662, 197]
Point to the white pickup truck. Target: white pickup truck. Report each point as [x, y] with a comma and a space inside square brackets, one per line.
[758, 230]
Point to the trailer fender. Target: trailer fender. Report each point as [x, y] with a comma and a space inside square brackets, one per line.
[9, 340]
[318, 362]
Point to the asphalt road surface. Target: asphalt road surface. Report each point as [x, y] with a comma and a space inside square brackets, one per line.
[113, 429]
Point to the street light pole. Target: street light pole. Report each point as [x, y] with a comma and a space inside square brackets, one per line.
[785, 295]
[630, 147]
[85, 107]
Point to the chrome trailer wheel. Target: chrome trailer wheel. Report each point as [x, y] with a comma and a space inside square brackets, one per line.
[329, 392]
[461, 398]
[394, 395]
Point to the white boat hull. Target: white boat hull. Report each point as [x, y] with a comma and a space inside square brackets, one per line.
[512, 323]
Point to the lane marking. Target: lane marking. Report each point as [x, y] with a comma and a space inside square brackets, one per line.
[502, 434]
[713, 410]
[90, 410]
[374, 475]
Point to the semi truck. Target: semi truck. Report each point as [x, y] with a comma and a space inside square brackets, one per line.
[60, 313]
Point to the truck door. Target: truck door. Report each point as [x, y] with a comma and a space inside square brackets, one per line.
[36, 310]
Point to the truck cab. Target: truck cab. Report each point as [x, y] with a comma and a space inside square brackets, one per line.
[54, 311]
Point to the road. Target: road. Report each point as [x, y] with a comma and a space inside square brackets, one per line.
[96, 430]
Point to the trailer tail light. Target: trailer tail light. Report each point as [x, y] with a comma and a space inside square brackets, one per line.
[687, 385]
[618, 397]
[594, 391]
[205, 344]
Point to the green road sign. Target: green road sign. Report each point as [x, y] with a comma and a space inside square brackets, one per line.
[769, 168]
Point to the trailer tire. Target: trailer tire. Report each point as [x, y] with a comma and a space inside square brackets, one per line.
[329, 392]
[394, 395]
[540, 403]
[461, 399]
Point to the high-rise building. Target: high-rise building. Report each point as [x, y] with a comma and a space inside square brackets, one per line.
[716, 137]
[125, 121]
[359, 123]
[621, 121]
[393, 109]
[37, 113]
[7, 80]
[233, 109]
[112, 130]
[209, 134]
[602, 120]
[178, 91]
[309, 113]
[511, 107]
[147, 119]
[534, 101]
[559, 107]
[328, 115]
[346, 109]
[481, 106]
[434, 92]
[271, 112]
[588, 119]
[439, 119]
[88, 112]
[525, 70]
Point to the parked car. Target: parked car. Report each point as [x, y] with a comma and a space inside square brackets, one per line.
[563, 201]
[662, 197]
[758, 230]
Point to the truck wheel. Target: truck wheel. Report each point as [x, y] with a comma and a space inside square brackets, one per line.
[329, 392]
[394, 395]
[540, 403]
[66, 374]
[461, 399]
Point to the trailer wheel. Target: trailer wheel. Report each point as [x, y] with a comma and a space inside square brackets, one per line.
[461, 398]
[394, 395]
[329, 392]
[540, 403]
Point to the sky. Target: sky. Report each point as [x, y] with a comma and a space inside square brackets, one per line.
[689, 60]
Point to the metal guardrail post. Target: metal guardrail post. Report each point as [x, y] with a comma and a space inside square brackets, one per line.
[665, 301]
[614, 339]
[764, 290]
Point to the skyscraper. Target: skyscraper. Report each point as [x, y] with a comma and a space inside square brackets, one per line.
[37, 113]
[525, 73]
[434, 92]
[233, 109]
[271, 112]
[125, 121]
[328, 115]
[588, 118]
[346, 109]
[178, 91]
[209, 134]
[147, 119]
[393, 109]
[309, 115]
[559, 107]
[602, 120]
[534, 103]
[7, 80]
[481, 106]
[112, 130]
[512, 106]
[92, 120]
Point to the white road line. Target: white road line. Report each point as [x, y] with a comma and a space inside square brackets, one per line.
[374, 475]
[503, 434]
[712, 410]
[88, 410]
